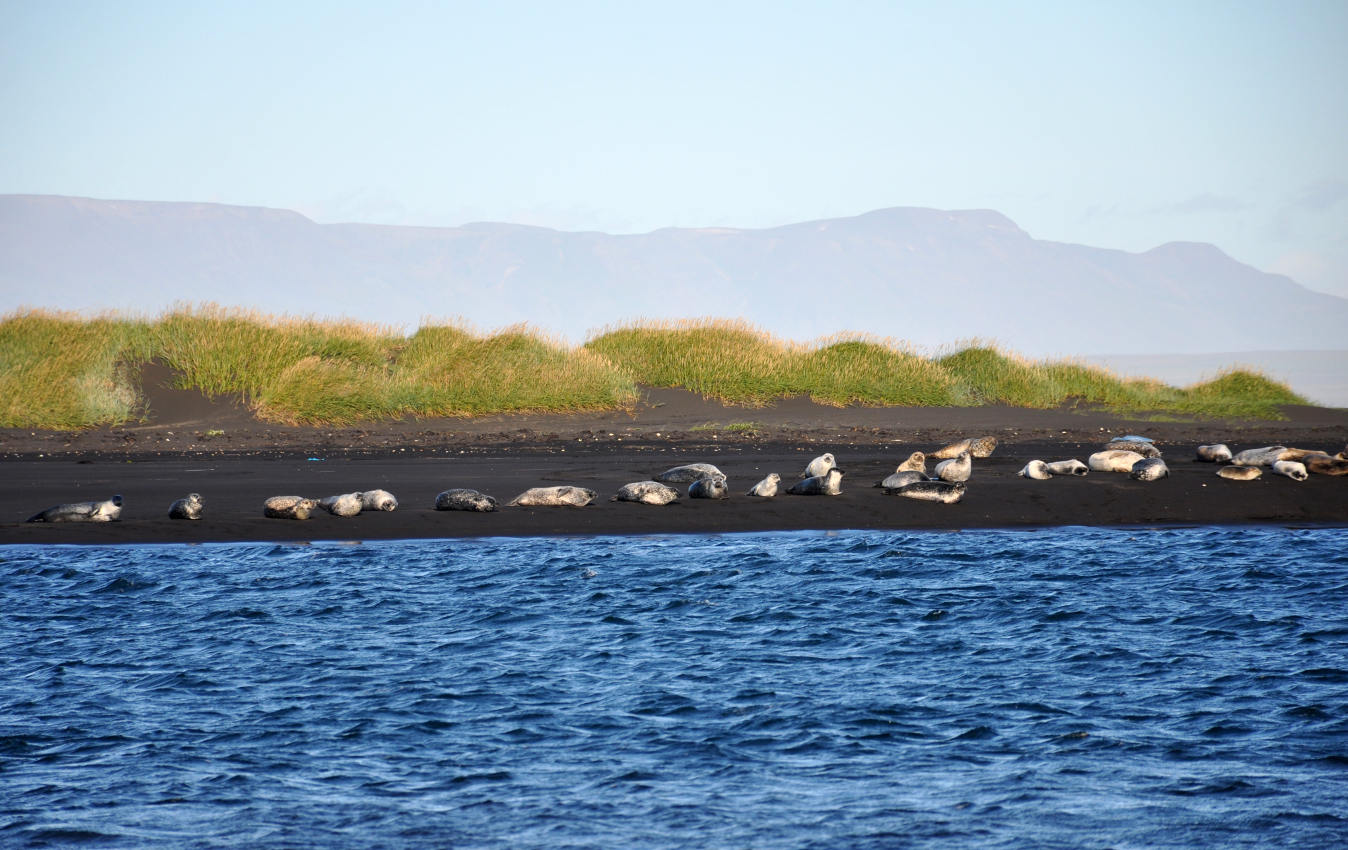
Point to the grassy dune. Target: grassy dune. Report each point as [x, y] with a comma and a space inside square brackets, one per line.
[63, 371]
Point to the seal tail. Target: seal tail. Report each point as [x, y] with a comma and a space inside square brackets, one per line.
[40, 516]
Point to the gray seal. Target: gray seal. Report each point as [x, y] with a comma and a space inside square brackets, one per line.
[378, 500]
[464, 499]
[709, 488]
[1262, 456]
[1240, 473]
[1067, 467]
[945, 492]
[1214, 453]
[1037, 470]
[767, 488]
[957, 469]
[975, 446]
[819, 466]
[565, 495]
[188, 508]
[342, 504]
[1143, 447]
[1149, 469]
[289, 507]
[828, 484]
[1113, 460]
[1293, 469]
[103, 511]
[900, 477]
[688, 472]
[647, 493]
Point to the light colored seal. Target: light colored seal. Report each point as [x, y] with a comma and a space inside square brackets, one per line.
[819, 466]
[646, 492]
[1037, 470]
[975, 446]
[104, 511]
[828, 484]
[1263, 456]
[900, 478]
[957, 469]
[1143, 447]
[464, 499]
[932, 491]
[1240, 473]
[378, 500]
[688, 472]
[1149, 469]
[1115, 460]
[709, 488]
[289, 507]
[575, 497]
[1068, 467]
[767, 488]
[916, 462]
[342, 504]
[1293, 469]
[187, 508]
[1326, 465]
[1343, 455]
[1215, 453]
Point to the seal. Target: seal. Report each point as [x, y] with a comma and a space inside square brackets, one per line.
[900, 477]
[343, 504]
[1240, 473]
[1143, 447]
[1263, 456]
[975, 446]
[828, 484]
[647, 493]
[464, 499]
[1036, 469]
[709, 488]
[1149, 469]
[958, 469]
[1343, 455]
[1326, 465]
[378, 500]
[932, 491]
[916, 462]
[688, 472]
[1068, 467]
[767, 488]
[104, 511]
[289, 507]
[188, 508]
[819, 466]
[1293, 469]
[1115, 460]
[1215, 453]
[575, 497]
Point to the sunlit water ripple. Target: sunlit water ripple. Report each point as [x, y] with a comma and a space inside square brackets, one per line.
[1063, 687]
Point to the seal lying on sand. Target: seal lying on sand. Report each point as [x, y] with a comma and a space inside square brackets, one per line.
[289, 507]
[932, 491]
[464, 499]
[1115, 460]
[342, 504]
[1149, 469]
[767, 488]
[575, 497]
[819, 466]
[975, 446]
[1068, 467]
[709, 488]
[1325, 465]
[958, 469]
[1263, 456]
[828, 484]
[104, 511]
[1293, 469]
[1240, 473]
[1036, 469]
[1143, 447]
[688, 472]
[900, 477]
[188, 508]
[378, 500]
[646, 492]
[1215, 453]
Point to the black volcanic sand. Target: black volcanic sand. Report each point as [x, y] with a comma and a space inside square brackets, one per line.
[191, 443]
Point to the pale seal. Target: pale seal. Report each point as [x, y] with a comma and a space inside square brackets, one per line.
[932, 491]
[900, 477]
[688, 472]
[709, 488]
[289, 507]
[378, 500]
[104, 511]
[342, 504]
[1215, 453]
[1037, 470]
[1240, 473]
[1149, 469]
[1343, 455]
[187, 508]
[916, 462]
[464, 499]
[1263, 456]
[1293, 469]
[575, 497]
[1115, 460]
[819, 466]
[828, 484]
[1068, 467]
[1302, 454]
[1143, 447]
[1326, 465]
[975, 446]
[647, 493]
[767, 488]
[958, 469]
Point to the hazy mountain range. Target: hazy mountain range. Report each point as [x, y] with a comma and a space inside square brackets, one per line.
[931, 277]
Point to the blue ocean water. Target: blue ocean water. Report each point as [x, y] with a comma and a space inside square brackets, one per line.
[1065, 687]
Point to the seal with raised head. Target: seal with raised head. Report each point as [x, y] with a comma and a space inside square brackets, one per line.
[688, 472]
[767, 488]
[342, 504]
[378, 500]
[1037, 470]
[646, 492]
[1146, 448]
[1215, 453]
[975, 446]
[1115, 460]
[564, 495]
[464, 499]
[709, 488]
[1293, 469]
[916, 462]
[900, 477]
[1149, 469]
[1240, 473]
[106, 510]
[1068, 467]
[946, 492]
[190, 507]
[828, 484]
[289, 507]
[819, 466]
[956, 469]
[1262, 456]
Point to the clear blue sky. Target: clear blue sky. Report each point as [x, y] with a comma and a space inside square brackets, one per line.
[1121, 125]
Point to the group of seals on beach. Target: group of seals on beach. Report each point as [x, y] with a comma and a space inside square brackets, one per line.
[1296, 464]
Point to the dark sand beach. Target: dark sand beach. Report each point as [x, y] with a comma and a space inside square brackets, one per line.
[194, 444]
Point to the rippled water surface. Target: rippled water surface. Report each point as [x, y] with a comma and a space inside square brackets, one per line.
[1055, 688]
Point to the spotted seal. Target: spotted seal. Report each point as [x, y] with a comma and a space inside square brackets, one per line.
[464, 499]
[828, 484]
[1215, 453]
[1263, 456]
[1037, 470]
[1068, 467]
[945, 492]
[190, 507]
[767, 488]
[819, 466]
[956, 469]
[575, 497]
[378, 500]
[646, 492]
[1114, 460]
[709, 488]
[1293, 469]
[289, 507]
[975, 446]
[1146, 448]
[900, 477]
[1240, 473]
[106, 510]
[342, 504]
[1149, 469]
[688, 472]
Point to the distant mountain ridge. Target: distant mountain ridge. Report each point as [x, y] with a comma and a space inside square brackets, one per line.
[930, 277]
